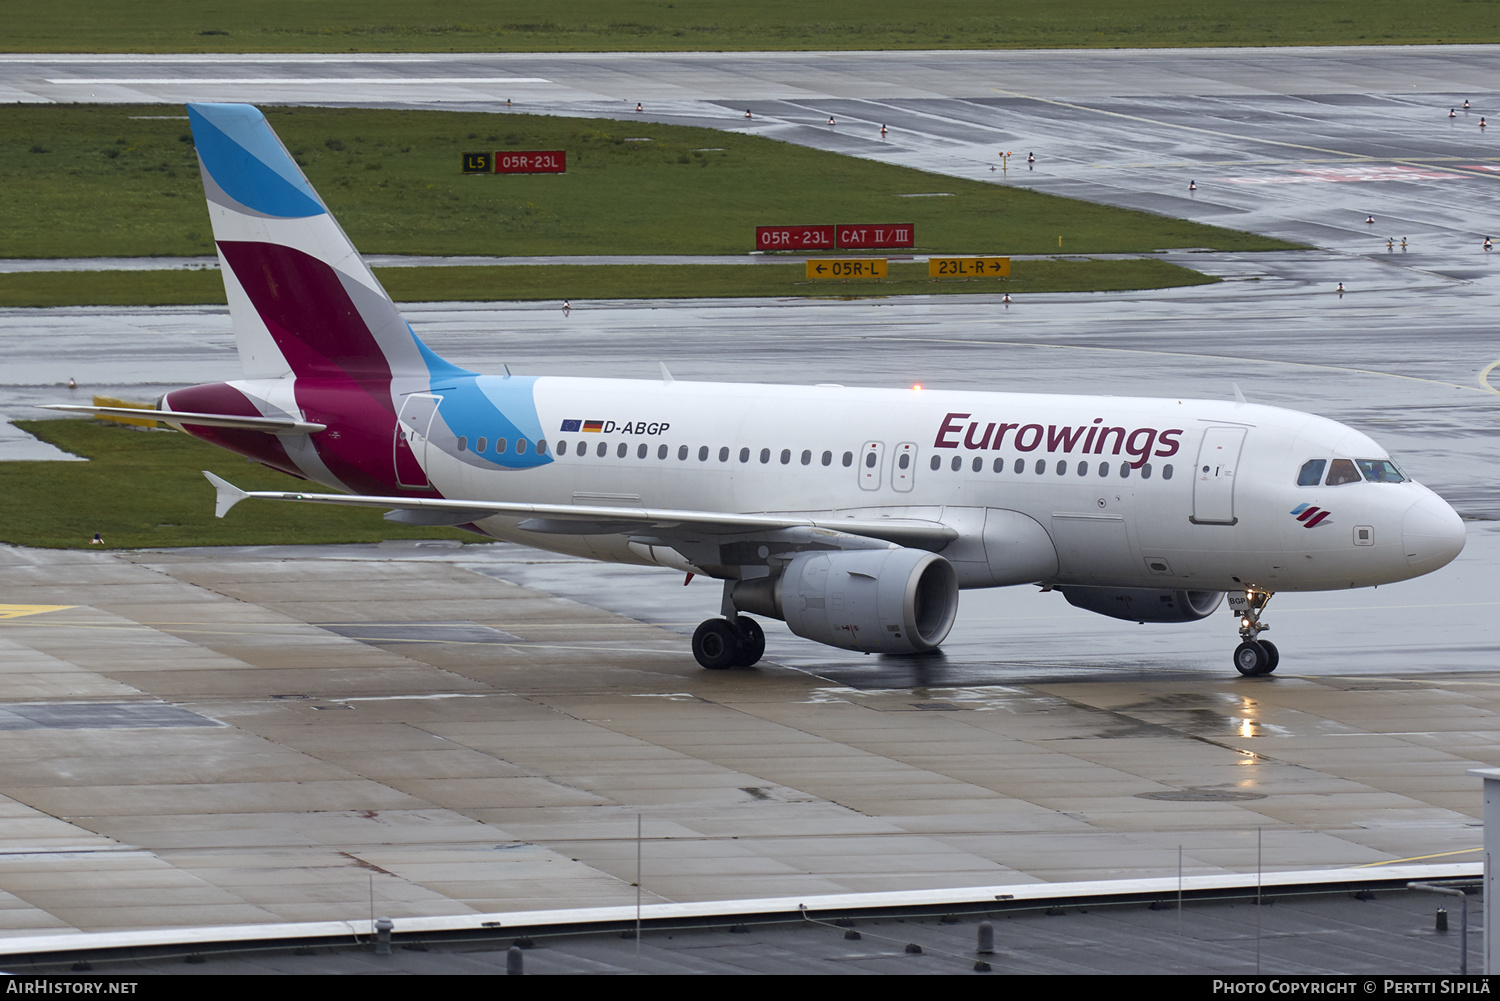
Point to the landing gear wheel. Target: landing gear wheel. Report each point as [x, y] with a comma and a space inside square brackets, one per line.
[717, 645]
[1251, 658]
[1254, 656]
[752, 641]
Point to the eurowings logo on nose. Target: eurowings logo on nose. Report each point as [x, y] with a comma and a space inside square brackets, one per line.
[1310, 515]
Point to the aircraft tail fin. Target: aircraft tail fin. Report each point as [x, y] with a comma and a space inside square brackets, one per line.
[301, 299]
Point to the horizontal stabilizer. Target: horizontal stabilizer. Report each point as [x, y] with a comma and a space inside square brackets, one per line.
[562, 518]
[270, 425]
[228, 494]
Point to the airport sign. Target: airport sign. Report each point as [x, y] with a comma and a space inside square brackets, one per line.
[859, 235]
[548, 161]
[968, 267]
[794, 237]
[477, 163]
[845, 268]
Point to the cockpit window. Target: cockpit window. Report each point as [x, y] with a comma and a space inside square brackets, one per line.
[1380, 471]
[1342, 471]
[1312, 472]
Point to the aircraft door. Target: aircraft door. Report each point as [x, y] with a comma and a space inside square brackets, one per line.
[903, 466]
[412, 429]
[871, 465]
[1213, 482]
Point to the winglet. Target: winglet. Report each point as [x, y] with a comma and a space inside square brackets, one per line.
[1239, 397]
[666, 377]
[229, 494]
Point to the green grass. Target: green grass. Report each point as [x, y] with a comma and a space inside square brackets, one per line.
[89, 180]
[144, 488]
[687, 25]
[511, 283]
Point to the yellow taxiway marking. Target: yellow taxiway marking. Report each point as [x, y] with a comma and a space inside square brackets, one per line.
[1418, 858]
[1484, 377]
[16, 611]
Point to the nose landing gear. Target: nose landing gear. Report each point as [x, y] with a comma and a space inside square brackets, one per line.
[1254, 656]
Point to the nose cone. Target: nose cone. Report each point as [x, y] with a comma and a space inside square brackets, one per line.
[1432, 534]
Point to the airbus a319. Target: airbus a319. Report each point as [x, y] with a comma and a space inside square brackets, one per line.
[856, 516]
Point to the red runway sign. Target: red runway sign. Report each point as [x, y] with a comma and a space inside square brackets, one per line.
[794, 238]
[551, 161]
[897, 234]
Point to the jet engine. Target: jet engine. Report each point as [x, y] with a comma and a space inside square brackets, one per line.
[876, 600]
[1144, 604]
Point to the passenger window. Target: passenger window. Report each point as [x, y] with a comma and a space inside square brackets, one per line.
[1124, 470]
[640, 452]
[905, 460]
[463, 443]
[848, 459]
[1062, 467]
[622, 449]
[1312, 473]
[602, 450]
[1020, 466]
[744, 455]
[1342, 471]
[1146, 471]
[765, 456]
[562, 447]
[724, 453]
[661, 451]
[682, 453]
[827, 458]
[541, 446]
[870, 460]
[520, 446]
[999, 465]
[480, 446]
[500, 445]
[1041, 466]
[702, 453]
[1380, 471]
[1166, 471]
[978, 464]
[958, 463]
[786, 456]
[937, 462]
[1083, 469]
[807, 458]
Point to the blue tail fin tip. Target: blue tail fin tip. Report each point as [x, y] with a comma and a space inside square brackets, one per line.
[248, 162]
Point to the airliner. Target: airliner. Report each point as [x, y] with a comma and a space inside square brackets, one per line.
[855, 516]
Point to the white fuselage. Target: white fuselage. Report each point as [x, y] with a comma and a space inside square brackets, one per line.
[1132, 492]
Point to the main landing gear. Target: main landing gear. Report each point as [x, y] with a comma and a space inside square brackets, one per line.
[719, 644]
[1255, 656]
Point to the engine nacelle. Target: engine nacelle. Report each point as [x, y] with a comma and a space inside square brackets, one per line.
[1144, 604]
[880, 600]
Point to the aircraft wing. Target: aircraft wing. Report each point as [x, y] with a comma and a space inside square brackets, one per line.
[271, 425]
[579, 519]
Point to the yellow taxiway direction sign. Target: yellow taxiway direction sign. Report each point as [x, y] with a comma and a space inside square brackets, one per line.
[844, 268]
[16, 611]
[968, 267]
